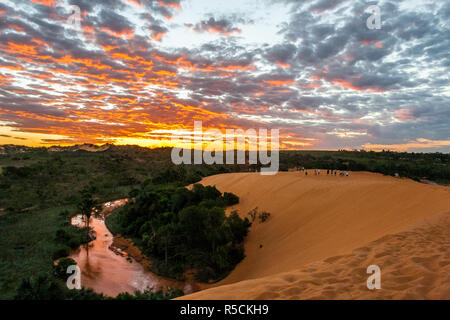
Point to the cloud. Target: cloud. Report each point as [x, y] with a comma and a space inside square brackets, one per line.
[323, 76]
[222, 26]
[412, 145]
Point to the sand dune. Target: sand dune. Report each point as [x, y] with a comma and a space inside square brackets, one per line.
[414, 265]
[315, 218]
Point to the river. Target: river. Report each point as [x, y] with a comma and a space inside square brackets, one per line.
[107, 269]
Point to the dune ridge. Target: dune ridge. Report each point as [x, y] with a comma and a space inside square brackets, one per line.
[315, 218]
[414, 264]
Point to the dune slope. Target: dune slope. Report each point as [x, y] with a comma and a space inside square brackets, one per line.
[317, 217]
[414, 264]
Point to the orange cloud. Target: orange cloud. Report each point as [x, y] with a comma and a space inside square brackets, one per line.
[284, 65]
[279, 83]
[127, 34]
[165, 73]
[169, 4]
[157, 36]
[377, 43]
[48, 3]
[12, 67]
[420, 143]
[20, 48]
[134, 2]
[227, 33]
[234, 68]
[346, 84]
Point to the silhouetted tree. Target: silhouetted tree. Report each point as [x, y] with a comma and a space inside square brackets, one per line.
[86, 204]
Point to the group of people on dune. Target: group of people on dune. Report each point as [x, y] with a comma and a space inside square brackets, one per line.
[317, 172]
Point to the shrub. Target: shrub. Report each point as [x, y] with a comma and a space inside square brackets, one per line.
[62, 236]
[263, 216]
[150, 294]
[60, 268]
[253, 214]
[61, 251]
[238, 227]
[43, 287]
[83, 294]
[230, 198]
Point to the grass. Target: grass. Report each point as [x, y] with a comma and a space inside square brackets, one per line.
[112, 222]
[27, 245]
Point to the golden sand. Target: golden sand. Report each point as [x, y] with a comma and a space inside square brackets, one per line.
[317, 222]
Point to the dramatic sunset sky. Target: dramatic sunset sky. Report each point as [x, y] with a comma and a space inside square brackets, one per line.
[140, 70]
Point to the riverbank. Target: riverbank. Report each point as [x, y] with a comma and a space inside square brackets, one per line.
[127, 246]
[113, 264]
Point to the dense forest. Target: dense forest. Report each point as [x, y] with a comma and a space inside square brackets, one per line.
[40, 190]
[183, 229]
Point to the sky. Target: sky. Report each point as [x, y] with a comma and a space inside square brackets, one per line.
[138, 71]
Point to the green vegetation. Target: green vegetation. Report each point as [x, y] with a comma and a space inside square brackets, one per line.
[85, 205]
[253, 214]
[262, 216]
[45, 287]
[40, 190]
[60, 268]
[50, 179]
[417, 166]
[30, 241]
[181, 229]
[151, 295]
[230, 198]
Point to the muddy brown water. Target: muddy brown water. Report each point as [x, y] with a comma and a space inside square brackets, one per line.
[109, 270]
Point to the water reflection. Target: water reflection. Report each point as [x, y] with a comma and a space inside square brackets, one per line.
[111, 272]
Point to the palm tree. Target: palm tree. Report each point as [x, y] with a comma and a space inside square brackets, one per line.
[85, 205]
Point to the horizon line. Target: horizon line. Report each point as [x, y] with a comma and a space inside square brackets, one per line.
[99, 145]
